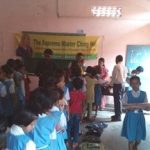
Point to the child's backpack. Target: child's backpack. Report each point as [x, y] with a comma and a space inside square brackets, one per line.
[96, 128]
[91, 139]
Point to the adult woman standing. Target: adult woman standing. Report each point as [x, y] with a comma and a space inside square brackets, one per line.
[103, 75]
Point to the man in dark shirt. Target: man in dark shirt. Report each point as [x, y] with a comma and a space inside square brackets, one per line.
[46, 66]
[76, 66]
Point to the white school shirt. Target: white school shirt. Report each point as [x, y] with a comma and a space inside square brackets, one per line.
[42, 115]
[119, 74]
[16, 130]
[63, 120]
[3, 91]
[84, 84]
[67, 95]
[12, 86]
[134, 94]
[19, 77]
[53, 135]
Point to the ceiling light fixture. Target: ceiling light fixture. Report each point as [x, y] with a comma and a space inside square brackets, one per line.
[106, 11]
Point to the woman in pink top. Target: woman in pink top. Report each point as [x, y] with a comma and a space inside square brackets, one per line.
[103, 72]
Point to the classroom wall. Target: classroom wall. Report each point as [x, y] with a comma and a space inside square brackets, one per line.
[41, 16]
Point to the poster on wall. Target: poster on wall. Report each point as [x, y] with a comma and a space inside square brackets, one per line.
[64, 46]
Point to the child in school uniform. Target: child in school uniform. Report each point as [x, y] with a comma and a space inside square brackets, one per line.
[91, 81]
[63, 119]
[17, 138]
[19, 82]
[66, 100]
[3, 93]
[11, 63]
[40, 102]
[27, 83]
[10, 88]
[57, 137]
[134, 122]
[78, 63]
[76, 105]
[2, 97]
[55, 82]
[60, 83]
[93, 90]
[76, 73]
[119, 75]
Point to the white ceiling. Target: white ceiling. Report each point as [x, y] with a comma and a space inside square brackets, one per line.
[131, 9]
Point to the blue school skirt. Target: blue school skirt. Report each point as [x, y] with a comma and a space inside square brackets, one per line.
[134, 126]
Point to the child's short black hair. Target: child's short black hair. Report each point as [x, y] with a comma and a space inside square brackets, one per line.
[140, 69]
[23, 117]
[133, 71]
[135, 78]
[56, 94]
[58, 75]
[11, 63]
[119, 58]
[101, 59]
[52, 80]
[77, 83]
[18, 64]
[91, 70]
[6, 69]
[48, 51]
[79, 55]
[49, 82]
[75, 70]
[40, 101]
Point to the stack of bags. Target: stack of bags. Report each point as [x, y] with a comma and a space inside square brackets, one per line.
[91, 139]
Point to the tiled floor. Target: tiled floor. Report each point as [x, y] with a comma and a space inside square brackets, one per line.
[111, 136]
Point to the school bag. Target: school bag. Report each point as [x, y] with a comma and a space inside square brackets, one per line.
[91, 139]
[95, 129]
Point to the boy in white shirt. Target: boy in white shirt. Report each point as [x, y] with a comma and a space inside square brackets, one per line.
[119, 75]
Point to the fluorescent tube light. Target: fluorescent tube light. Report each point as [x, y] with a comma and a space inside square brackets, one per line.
[106, 11]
